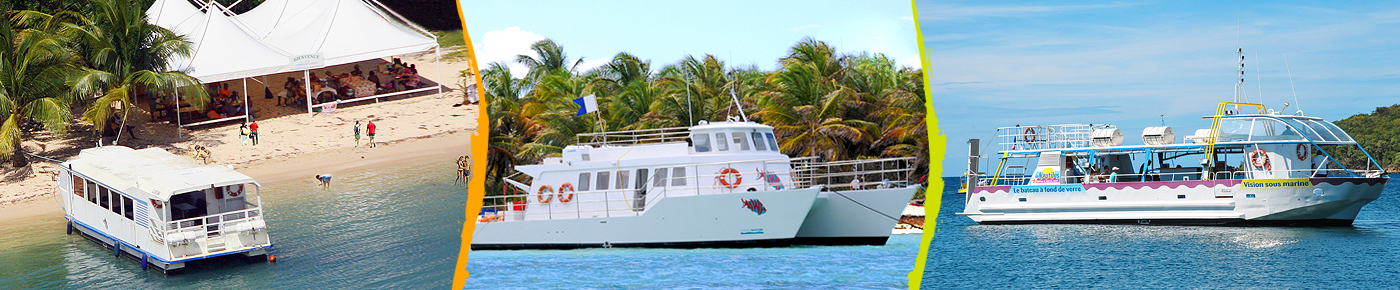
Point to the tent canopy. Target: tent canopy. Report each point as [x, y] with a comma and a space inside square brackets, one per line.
[267, 38]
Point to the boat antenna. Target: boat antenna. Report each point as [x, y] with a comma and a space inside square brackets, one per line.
[1290, 83]
[689, 111]
[1239, 86]
[735, 96]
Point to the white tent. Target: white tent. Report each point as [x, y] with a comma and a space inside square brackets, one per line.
[344, 31]
[222, 50]
[269, 38]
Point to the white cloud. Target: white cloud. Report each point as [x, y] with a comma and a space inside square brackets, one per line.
[504, 45]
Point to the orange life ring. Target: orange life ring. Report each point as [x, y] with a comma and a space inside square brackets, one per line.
[156, 203]
[232, 193]
[545, 194]
[1029, 135]
[1256, 156]
[1302, 152]
[567, 187]
[724, 175]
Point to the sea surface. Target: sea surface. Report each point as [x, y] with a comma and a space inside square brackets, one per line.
[965, 255]
[398, 228]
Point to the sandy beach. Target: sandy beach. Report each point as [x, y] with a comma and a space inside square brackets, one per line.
[291, 146]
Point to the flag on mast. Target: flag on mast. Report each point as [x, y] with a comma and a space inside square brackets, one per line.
[586, 104]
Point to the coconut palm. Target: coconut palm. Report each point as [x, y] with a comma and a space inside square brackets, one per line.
[807, 105]
[549, 57]
[128, 57]
[34, 65]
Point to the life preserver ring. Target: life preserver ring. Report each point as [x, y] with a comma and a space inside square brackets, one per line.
[1029, 135]
[1302, 152]
[567, 187]
[724, 175]
[1260, 160]
[545, 194]
[157, 204]
[235, 193]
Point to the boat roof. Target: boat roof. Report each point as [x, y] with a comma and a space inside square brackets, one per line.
[151, 170]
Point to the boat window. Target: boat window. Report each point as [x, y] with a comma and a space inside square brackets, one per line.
[678, 176]
[622, 179]
[641, 177]
[659, 179]
[742, 140]
[772, 143]
[702, 142]
[116, 202]
[78, 186]
[583, 181]
[103, 197]
[92, 188]
[126, 206]
[719, 142]
[603, 180]
[758, 142]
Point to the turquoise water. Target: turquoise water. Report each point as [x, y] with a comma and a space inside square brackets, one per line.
[398, 228]
[965, 255]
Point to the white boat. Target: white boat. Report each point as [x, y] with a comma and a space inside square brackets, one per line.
[161, 209]
[711, 185]
[1264, 168]
[860, 205]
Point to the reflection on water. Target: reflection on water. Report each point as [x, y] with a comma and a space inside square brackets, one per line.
[967, 255]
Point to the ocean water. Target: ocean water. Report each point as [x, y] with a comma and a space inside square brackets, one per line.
[398, 228]
[965, 255]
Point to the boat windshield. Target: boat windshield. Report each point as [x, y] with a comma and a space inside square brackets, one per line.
[1280, 129]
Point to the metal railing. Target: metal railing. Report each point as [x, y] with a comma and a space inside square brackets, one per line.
[1047, 136]
[633, 137]
[1188, 176]
[208, 227]
[855, 174]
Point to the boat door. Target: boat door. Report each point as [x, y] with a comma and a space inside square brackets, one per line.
[639, 195]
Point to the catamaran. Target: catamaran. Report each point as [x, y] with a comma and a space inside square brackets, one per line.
[723, 184]
[161, 209]
[1252, 166]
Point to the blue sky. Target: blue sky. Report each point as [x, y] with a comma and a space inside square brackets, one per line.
[998, 64]
[740, 32]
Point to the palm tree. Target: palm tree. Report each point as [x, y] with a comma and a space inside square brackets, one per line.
[34, 65]
[128, 57]
[550, 58]
[806, 104]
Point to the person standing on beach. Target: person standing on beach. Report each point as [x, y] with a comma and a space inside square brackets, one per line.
[369, 128]
[243, 133]
[357, 133]
[253, 132]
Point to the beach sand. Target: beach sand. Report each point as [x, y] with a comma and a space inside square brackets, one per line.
[292, 146]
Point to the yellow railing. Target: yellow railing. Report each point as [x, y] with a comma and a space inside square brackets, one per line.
[1215, 131]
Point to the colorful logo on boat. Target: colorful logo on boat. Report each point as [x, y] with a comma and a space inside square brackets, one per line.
[770, 179]
[1046, 175]
[754, 205]
[1291, 183]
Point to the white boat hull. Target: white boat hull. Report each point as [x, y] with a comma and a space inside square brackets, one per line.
[713, 220]
[1327, 202]
[859, 217]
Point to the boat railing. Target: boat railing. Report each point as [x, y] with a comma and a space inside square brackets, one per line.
[208, 227]
[1184, 176]
[855, 174]
[633, 137]
[634, 201]
[1046, 137]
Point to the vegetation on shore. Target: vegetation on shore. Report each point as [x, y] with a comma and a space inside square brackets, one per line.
[1378, 133]
[837, 106]
[95, 59]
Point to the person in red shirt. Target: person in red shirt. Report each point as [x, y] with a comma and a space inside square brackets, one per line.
[253, 127]
[369, 129]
